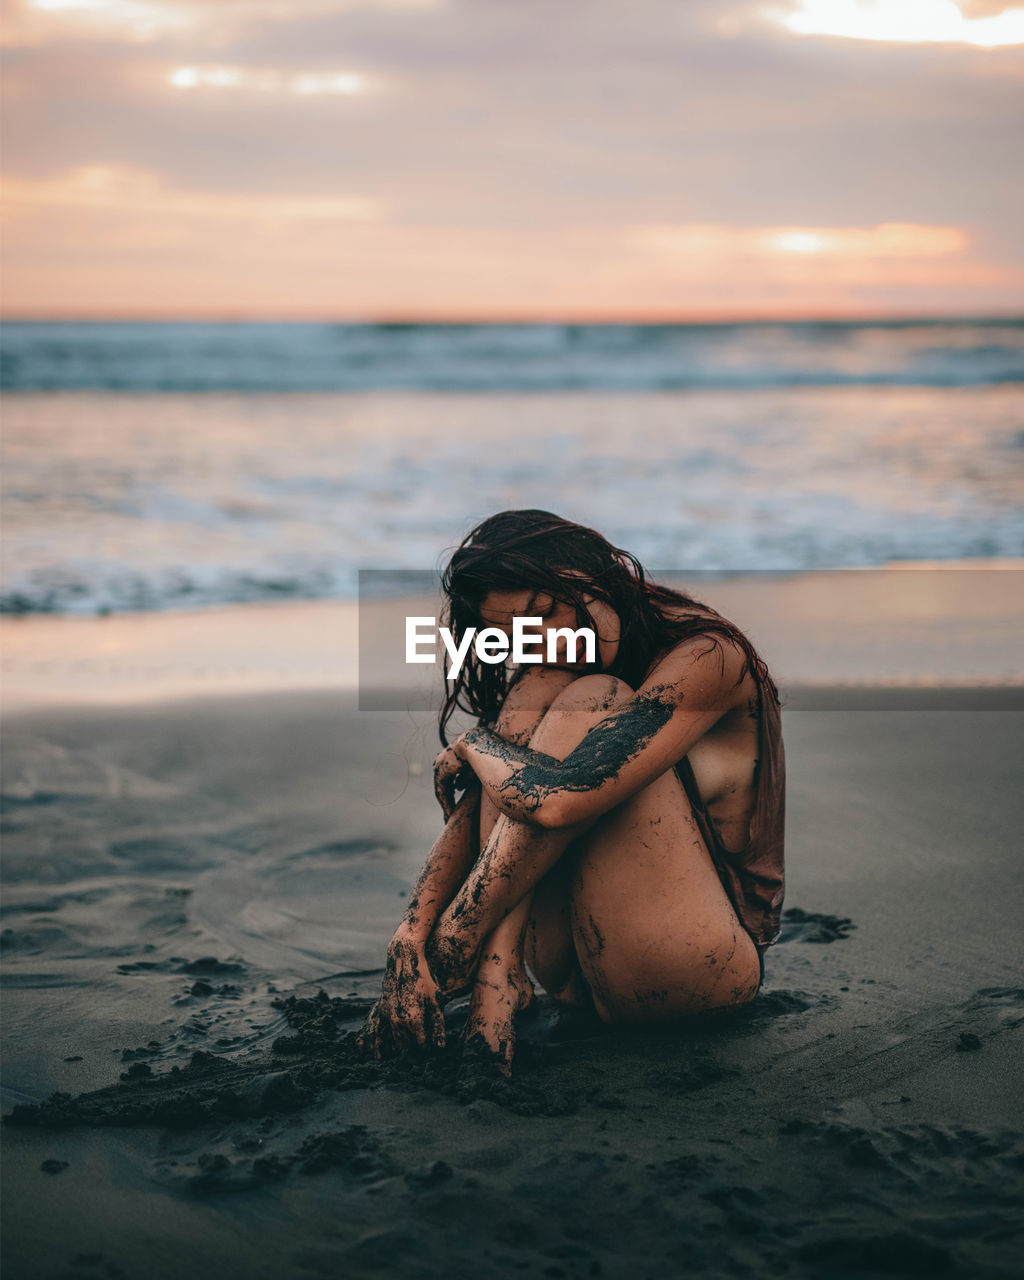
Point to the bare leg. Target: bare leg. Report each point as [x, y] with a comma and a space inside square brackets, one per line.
[537, 932]
[654, 931]
[502, 989]
[549, 949]
[514, 855]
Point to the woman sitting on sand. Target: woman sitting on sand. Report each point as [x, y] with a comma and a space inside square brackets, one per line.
[620, 831]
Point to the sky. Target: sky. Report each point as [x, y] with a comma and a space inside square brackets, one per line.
[510, 159]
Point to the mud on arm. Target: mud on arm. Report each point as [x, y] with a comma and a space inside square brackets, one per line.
[683, 698]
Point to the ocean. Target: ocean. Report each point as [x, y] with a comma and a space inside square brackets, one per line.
[153, 466]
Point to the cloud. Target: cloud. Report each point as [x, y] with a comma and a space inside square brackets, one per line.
[911, 21]
[269, 80]
[35, 22]
[126, 246]
[518, 151]
[30, 22]
[821, 268]
[139, 194]
[890, 241]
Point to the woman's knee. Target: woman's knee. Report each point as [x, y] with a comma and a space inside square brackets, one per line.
[529, 699]
[597, 692]
[574, 712]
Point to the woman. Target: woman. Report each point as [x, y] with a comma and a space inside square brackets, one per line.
[620, 831]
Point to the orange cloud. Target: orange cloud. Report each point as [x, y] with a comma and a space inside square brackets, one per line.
[888, 240]
[133, 193]
[100, 242]
[824, 265]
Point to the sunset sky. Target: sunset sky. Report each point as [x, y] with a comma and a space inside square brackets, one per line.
[596, 159]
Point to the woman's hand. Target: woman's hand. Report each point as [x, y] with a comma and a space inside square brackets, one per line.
[410, 1011]
[451, 774]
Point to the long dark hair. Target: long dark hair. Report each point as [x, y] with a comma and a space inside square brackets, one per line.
[532, 550]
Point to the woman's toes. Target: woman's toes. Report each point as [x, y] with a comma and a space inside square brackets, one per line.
[491, 1024]
[489, 1046]
[481, 1064]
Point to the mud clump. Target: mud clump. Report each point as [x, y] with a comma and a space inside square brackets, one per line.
[321, 1054]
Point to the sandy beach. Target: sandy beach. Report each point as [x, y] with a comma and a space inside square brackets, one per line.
[200, 879]
[334, 329]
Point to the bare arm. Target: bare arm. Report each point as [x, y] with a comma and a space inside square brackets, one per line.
[410, 1009]
[689, 691]
[453, 853]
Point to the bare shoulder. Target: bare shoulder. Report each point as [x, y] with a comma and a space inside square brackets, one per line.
[709, 669]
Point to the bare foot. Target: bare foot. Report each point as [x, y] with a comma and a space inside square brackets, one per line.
[502, 990]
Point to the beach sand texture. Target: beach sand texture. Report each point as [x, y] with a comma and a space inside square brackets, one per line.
[185, 876]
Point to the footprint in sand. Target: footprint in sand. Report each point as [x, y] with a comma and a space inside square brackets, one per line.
[813, 926]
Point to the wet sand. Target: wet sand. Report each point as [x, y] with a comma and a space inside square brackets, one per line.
[184, 877]
[907, 625]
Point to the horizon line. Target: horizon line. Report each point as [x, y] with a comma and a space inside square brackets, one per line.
[425, 318]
